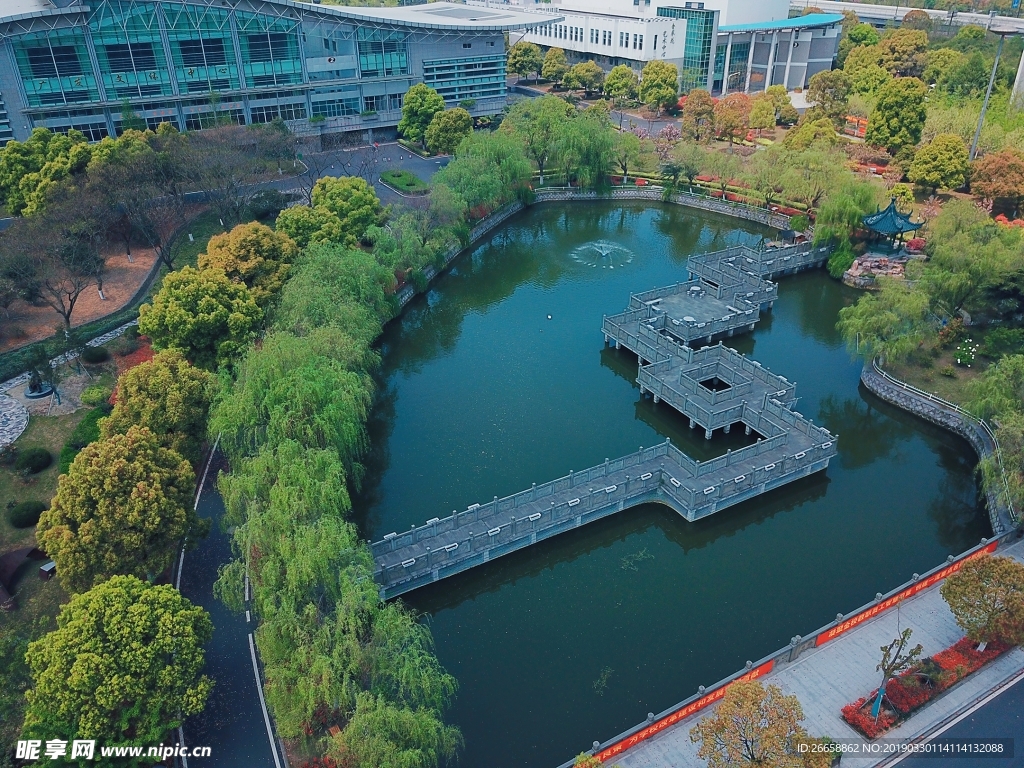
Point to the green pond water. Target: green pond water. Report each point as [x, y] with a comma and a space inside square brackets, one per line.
[575, 639]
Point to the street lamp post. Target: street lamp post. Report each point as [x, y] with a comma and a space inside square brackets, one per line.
[1003, 34]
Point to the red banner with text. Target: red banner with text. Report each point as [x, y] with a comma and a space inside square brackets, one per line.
[680, 714]
[891, 602]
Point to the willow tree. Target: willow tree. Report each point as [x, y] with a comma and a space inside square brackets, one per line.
[889, 323]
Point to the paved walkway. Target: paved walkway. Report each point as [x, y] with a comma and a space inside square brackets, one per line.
[827, 678]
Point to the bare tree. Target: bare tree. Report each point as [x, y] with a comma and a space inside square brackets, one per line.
[63, 250]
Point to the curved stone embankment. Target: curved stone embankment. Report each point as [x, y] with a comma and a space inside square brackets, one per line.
[945, 415]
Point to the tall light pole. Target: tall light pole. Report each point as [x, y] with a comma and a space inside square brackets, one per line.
[1003, 34]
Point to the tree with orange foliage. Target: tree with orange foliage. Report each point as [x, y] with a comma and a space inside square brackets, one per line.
[732, 114]
[1000, 176]
[755, 725]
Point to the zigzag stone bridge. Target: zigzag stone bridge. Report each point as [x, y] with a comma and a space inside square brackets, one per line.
[715, 387]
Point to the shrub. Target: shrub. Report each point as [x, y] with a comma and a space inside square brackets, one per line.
[841, 260]
[94, 355]
[1002, 341]
[125, 345]
[33, 460]
[8, 453]
[26, 514]
[95, 395]
[84, 433]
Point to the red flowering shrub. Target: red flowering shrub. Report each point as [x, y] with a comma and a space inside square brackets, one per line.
[616, 179]
[641, 182]
[915, 244]
[859, 716]
[914, 688]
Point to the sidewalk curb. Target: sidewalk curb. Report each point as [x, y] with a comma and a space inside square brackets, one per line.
[955, 717]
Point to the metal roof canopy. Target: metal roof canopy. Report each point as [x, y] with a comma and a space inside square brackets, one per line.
[798, 22]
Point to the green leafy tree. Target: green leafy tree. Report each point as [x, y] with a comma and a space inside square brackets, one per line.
[903, 52]
[586, 148]
[29, 170]
[986, 596]
[627, 152]
[420, 105]
[856, 35]
[381, 733]
[123, 508]
[203, 315]
[659, 85]
[169, 397]
[725, 168]
[888, 323]
[296, 388]
[820, 133]
[537, 123]
[754, 725]
[698, 118]
[830, 92]
[252, 254]
[768, 174]
[898, 117]
[309, 226]
[447, 130]
[941, 163]
[586, 75]
[523, 58]
[622, 84]
[999, 391]
[333, 286]
[940, 62]
[555, 65]
[124, 666]
[691, 158]
[864, 69]
[762, 114]
[352, 200]
[967, 78]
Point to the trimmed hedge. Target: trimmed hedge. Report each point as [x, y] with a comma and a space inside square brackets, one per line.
[33, 460]
[26, 514]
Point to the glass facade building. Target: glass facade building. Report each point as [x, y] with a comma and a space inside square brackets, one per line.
[180, 61]
[701, 31]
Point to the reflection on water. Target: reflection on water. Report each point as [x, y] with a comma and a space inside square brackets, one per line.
[499, 378]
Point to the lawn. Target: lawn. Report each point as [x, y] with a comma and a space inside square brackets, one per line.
[405, 182]
[49, 432]
[941, 375]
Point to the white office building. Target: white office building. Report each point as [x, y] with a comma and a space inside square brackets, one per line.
[721, 45]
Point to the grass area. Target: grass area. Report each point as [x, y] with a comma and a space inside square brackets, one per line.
[940, 375]
[202, 227]
[49, 432]
[404, 181]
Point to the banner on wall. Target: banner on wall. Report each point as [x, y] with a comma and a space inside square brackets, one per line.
[680, 714]
[891, 602]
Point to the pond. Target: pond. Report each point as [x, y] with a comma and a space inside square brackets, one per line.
[498, 378]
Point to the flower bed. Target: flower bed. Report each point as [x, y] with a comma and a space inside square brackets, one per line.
[919, 685]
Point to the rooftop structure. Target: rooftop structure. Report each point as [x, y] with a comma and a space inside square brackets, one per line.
[890, 222]
[65, 64]
[720, 45]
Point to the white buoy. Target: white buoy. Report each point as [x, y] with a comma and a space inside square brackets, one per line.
[549, 317]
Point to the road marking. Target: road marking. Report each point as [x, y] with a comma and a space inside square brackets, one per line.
[924, 739]
[263, 704]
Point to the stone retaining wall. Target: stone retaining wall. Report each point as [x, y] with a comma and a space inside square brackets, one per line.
[941, 415]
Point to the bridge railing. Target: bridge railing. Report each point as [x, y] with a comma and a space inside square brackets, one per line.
[666, 345]
[638, 300]
[477, 512]
[680, 395]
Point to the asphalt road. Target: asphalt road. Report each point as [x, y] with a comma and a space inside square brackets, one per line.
[1000, 718]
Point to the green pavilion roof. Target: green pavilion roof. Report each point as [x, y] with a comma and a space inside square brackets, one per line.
[890, 221]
